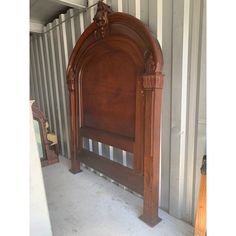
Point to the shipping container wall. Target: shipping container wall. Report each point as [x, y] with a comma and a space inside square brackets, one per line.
[180, 27]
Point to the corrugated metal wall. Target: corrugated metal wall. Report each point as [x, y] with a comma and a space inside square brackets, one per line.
[180, 27]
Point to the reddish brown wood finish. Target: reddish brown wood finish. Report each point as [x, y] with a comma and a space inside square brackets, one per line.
[115, 85]
[113, 170]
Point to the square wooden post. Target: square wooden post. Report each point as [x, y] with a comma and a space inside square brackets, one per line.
[152, 84]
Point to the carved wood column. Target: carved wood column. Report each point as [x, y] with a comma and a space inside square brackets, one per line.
[73, 94]
[152, 84]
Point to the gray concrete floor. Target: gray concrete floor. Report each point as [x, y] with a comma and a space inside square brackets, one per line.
[88, 205]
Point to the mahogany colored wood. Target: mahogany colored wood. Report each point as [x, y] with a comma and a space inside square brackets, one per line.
[50, 154]
[115, 84]
[113, 170]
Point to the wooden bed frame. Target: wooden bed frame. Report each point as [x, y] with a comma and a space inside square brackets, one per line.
[115, 85]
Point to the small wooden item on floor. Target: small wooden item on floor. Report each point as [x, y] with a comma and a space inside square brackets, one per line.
[200, 224]
[47, 142]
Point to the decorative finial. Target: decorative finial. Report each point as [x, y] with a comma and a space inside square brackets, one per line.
[101, 19]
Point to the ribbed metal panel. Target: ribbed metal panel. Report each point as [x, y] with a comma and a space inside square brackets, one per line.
[44, 79]
[51, 116]
[180, 28]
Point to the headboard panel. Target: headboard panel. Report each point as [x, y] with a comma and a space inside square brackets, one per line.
[115, 82]
[108, 89]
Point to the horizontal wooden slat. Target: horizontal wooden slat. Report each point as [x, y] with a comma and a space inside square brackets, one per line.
[115, 140]
[113, 170]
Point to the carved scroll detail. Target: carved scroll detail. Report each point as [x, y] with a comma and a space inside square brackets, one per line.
[101, 19]
[150, 67]
[151, 78]
[71, 80]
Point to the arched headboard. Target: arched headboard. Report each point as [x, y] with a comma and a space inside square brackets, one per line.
[115, 84]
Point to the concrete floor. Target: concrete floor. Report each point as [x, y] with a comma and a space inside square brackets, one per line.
[89, 205]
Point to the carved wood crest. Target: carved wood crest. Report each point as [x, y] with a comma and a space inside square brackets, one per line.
[101, 19]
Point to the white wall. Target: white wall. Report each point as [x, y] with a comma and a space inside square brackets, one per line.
[180, 26]
[39, 217]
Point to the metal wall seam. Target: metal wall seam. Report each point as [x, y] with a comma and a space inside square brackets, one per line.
[39, 101]
[32, 91]
[176, 102]
[44, 80]
[193, 98]
[125, 6]
[153, 26]
[52, 125]
[52, 82]
[120, 6]
[57, 84]
[200, 134]
[124, 158]
[54, 41]
[183, 167]
[131, 7]
[77, 25]
[72, 25]
[137, 9]
[100, 148]
[81, 18]
[61, 84]
[39, 77]
[92, 9]
[114, 5]
[40, 67]
[90, 145]
[34, 72]
[166, 105]
[32, 83]
[144, 12]
[68, 33]
[152, 17]
[66, 44]
[64, 35]
[87, 18]
[63, 87]
[159, 20]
